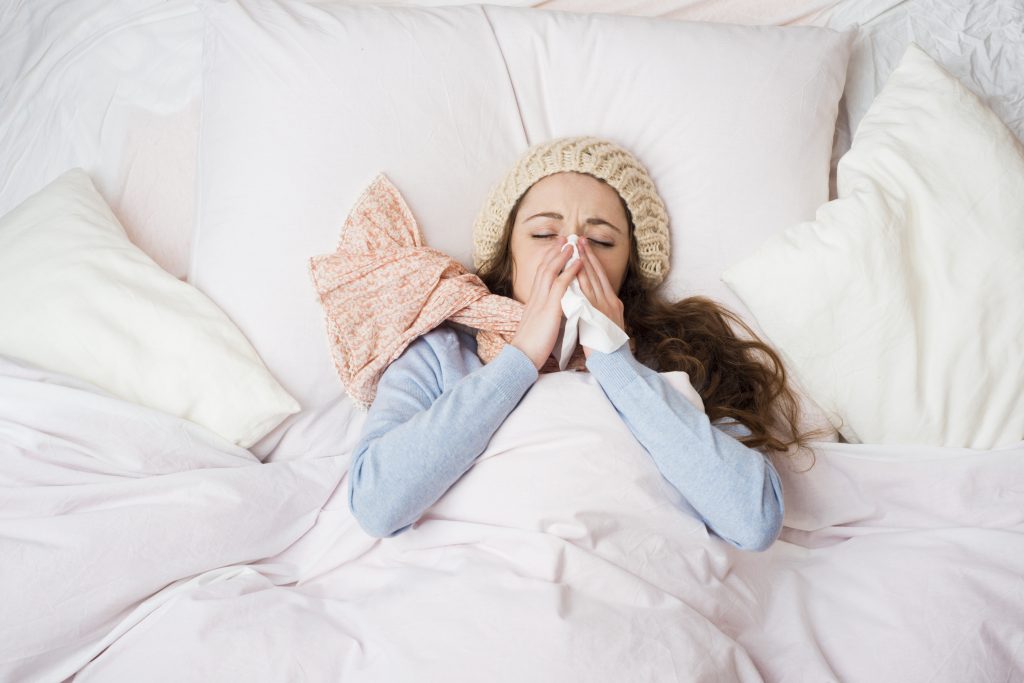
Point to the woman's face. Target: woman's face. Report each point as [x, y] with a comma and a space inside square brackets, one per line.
[569, 203]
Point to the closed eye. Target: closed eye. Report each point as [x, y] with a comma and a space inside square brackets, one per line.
[590, 239]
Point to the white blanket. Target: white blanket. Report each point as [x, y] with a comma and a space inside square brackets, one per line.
[136, 546]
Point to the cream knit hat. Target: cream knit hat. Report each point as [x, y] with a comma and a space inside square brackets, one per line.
[597, 157]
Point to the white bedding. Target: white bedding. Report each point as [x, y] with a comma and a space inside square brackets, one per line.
[143, 547]
[138, 546]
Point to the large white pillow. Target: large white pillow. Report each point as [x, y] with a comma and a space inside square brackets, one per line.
[303, 104]
[77, 297]
[901, 306]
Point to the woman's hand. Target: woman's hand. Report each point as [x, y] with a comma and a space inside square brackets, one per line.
[598, 290]
[542, 317]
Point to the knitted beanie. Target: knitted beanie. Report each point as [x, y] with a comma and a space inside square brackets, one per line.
[597, 157]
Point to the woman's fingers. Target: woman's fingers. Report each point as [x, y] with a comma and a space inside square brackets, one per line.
[601, 277]
[557, 261]
[606, 298]
[590, 270]
[565, 279]
[547, 270]
[585, 283]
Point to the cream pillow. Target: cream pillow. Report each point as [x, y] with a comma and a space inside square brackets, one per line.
[901, 306]
[76, 296]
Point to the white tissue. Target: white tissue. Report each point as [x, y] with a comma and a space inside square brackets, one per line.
[593, 328]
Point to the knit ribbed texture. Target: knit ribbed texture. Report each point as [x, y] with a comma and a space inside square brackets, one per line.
[583, 154]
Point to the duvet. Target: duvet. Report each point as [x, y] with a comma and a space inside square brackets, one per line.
[138, 546]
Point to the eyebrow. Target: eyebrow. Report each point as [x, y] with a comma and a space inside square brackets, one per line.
[589, 221]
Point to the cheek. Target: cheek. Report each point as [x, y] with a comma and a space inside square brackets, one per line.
[614, 263]
[525, 264]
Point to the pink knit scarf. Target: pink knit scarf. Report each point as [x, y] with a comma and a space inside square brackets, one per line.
[383, 287]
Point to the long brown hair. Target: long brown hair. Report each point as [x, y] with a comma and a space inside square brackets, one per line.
[743, 379]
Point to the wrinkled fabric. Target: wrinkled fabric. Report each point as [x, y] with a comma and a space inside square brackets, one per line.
[146, 547]
[383, 287]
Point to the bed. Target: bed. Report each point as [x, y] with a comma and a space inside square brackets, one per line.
[175, 441]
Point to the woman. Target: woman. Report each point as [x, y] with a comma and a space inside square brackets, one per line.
[438, 405]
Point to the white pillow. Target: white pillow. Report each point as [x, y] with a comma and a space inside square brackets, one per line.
[735, 124]
[77, 297]
[901, 307]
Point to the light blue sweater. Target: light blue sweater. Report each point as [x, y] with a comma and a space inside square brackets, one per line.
[437, 406]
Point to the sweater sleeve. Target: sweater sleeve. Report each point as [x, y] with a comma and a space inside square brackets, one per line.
[736, 489]
[419, 439]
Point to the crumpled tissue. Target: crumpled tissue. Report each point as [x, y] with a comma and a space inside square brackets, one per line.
[582, 321]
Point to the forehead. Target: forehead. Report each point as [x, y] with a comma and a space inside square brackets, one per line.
[570, 187]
